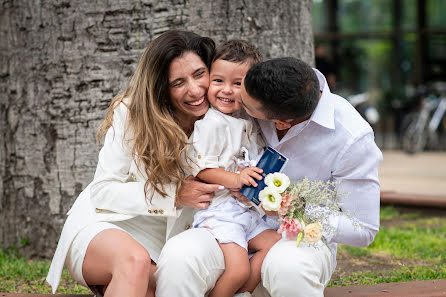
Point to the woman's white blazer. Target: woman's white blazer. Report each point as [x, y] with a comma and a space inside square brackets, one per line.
[116, 194]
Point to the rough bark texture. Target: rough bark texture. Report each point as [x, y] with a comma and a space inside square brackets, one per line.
[61, 63]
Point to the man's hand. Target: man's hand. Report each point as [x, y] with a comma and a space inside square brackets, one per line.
[195, 193]
[269, 212]
[239, 196]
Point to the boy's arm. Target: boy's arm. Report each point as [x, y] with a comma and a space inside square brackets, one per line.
[225, 178]
[230, 179]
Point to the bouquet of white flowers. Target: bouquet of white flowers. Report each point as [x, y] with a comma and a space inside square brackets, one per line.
[304, 207]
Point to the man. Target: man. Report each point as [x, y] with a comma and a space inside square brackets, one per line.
[325, 139]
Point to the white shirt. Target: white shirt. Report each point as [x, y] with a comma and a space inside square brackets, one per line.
[337, 144]
[218, 140]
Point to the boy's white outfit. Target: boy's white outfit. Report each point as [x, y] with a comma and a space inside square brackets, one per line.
[334, 144]
[224, 141]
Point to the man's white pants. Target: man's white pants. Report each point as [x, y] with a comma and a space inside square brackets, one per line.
[191, 262]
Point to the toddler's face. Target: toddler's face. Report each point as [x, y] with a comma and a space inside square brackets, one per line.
[225, 82]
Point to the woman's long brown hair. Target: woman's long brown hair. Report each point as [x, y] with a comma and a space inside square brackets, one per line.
[159, 143]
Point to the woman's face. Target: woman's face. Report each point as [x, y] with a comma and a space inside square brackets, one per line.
[188, 85]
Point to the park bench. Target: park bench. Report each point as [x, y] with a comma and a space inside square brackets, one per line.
[417, 200]
[426, 288]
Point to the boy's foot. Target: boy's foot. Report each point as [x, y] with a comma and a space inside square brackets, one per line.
[244, 294]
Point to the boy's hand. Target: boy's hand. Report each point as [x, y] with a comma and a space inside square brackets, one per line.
[247, 175]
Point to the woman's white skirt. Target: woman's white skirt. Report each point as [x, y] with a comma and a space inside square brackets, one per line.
[148, 231]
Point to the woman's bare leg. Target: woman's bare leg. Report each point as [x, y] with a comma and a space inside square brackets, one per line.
[116, 260]
[236, 271]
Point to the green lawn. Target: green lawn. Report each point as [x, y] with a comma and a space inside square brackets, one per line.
[20, 275]
[411, 245]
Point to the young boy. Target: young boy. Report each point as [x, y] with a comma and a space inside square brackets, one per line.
[222, 141]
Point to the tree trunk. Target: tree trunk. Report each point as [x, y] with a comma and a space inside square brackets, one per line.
[61, 63]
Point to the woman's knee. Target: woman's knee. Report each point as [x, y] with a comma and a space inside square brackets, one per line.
[135, 263]
[113, 252]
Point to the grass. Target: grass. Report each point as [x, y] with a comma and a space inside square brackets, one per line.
[21, 275]
[404, 274]
[409, 246]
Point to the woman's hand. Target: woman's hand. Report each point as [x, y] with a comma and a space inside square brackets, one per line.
[195, 193]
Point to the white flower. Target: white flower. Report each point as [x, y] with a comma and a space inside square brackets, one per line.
[277, 181]
[270, 199]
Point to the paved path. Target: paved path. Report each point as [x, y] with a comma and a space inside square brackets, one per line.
[418, 174]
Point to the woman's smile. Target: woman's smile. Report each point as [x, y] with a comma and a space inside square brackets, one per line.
[197, 102]
[189, 82]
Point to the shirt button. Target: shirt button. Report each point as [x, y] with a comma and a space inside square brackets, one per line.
[161, 211]
[187, 227]
[149, 211]
[199, 156]
[133, 177]
[155, 211]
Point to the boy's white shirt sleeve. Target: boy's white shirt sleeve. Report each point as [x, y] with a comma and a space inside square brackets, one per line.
[118, 187]
[209, 142]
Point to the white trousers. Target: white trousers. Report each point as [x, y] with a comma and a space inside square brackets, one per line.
[191, 262]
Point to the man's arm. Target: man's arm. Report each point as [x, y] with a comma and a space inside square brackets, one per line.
[357, 171]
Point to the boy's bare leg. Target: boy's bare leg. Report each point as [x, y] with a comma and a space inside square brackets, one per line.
[236, 271]
[262, 243]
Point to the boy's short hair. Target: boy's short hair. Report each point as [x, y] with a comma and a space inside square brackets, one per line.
[238, 51]
[287, 88]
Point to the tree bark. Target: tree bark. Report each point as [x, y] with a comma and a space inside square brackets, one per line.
[61, 63]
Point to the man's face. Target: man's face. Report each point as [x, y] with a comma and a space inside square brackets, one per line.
[252, 106]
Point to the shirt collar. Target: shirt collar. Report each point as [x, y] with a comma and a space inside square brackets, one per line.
[324, 112]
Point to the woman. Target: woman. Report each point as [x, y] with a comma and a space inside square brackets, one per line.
[140, 197]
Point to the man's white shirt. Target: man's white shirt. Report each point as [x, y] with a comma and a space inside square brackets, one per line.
[336, 144]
